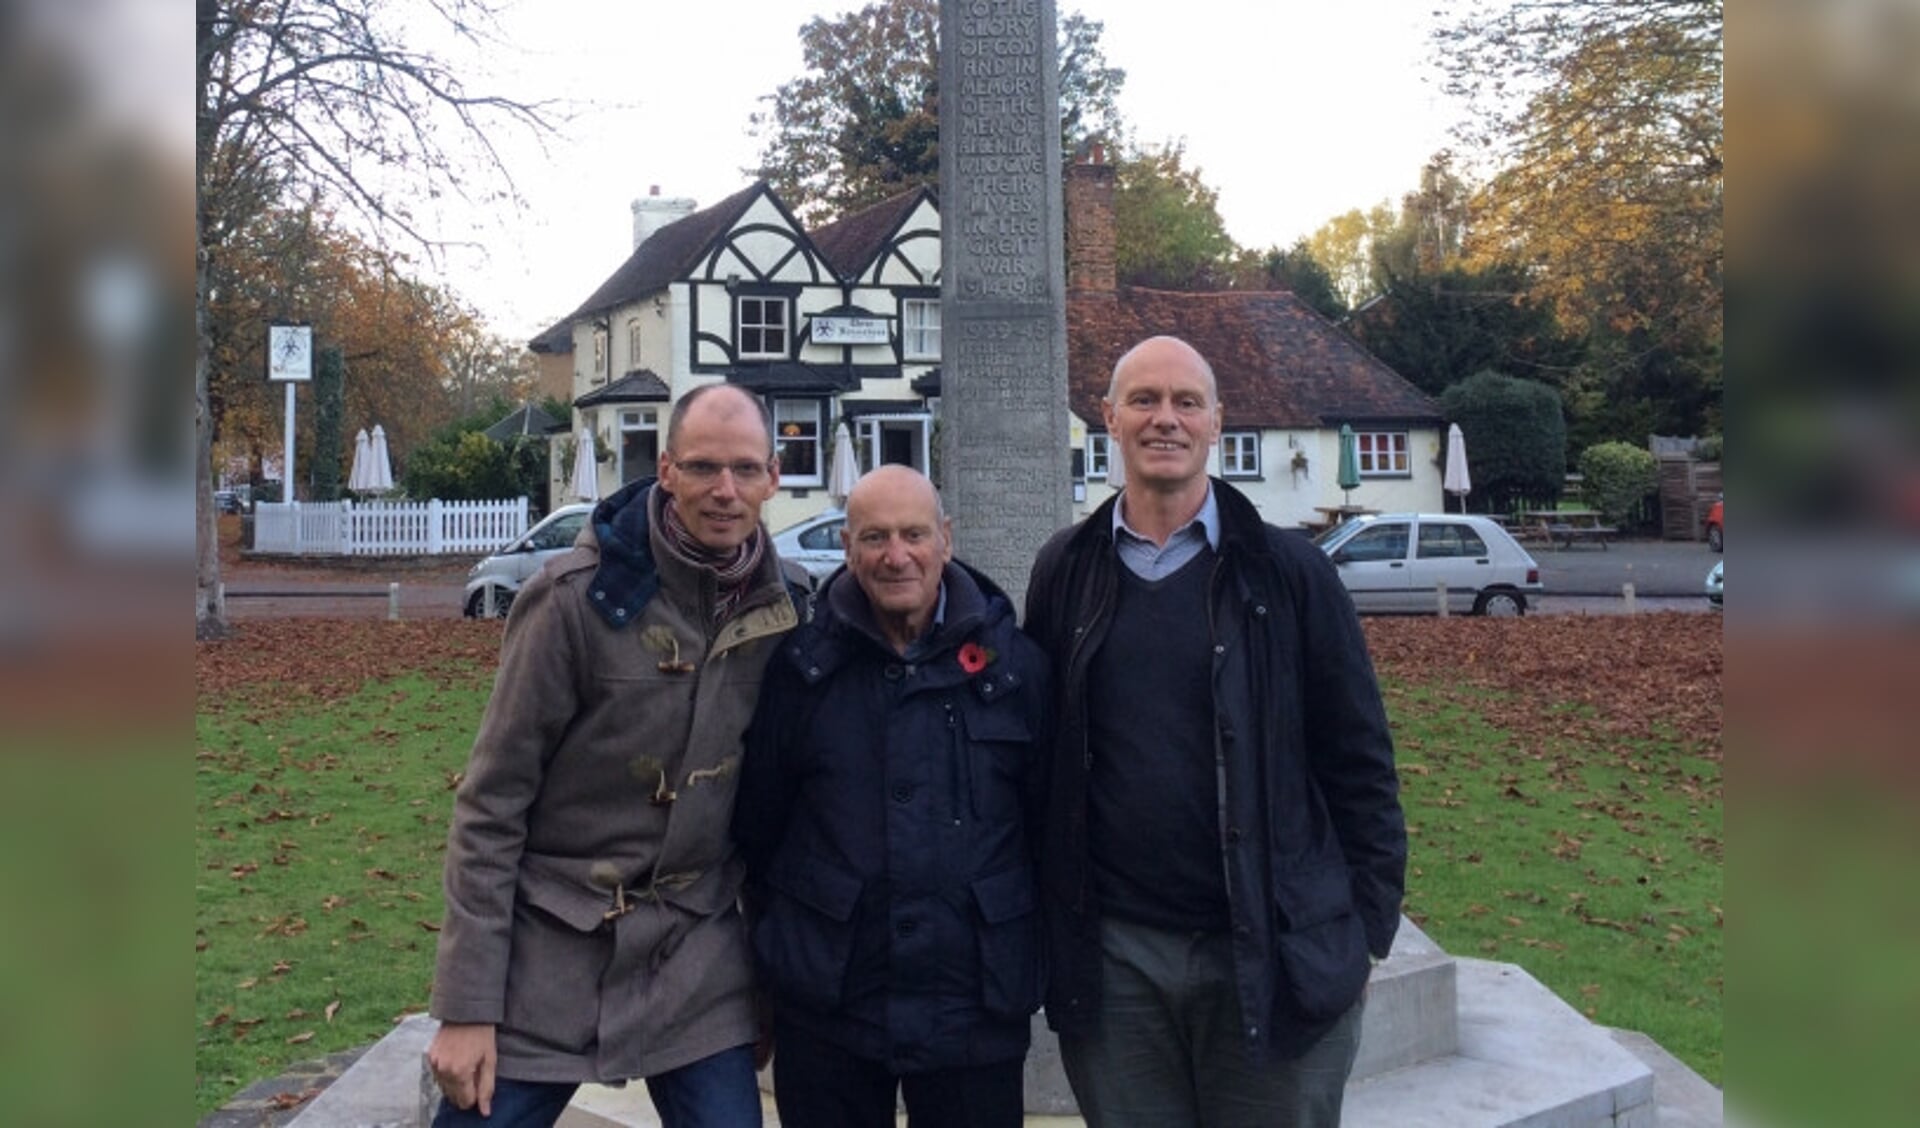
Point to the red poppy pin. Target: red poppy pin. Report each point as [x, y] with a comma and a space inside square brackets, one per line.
[974, 657]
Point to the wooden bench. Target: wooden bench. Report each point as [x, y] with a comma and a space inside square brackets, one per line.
[1566, 534]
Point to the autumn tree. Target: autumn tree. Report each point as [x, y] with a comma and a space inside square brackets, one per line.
[1293, 269]
[402, 341]
[325, 100]
[1427, 234]
[1344, 245]
[1167, 228]
[483, 366]
[862, 122]
[1438, 327]
[1601, 121]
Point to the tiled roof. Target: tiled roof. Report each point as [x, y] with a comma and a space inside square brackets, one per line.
[1278, 363]
[850, 243]
[638, 386]
[669, 254]
[790, 376]
[556, 339]
[525, 420]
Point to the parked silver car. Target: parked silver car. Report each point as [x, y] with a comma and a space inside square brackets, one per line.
[814, 544]
[1395, 562]
[504, 571]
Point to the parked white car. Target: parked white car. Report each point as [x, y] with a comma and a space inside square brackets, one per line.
[1395, 562]
[814, 544]
[506, 570]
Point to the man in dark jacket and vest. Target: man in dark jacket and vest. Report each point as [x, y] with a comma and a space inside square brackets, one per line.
[592, 929]
[892, 772]
[1224, 843]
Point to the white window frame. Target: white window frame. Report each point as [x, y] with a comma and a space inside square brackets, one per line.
[801, 412]
[920, 329]
[868, 436]
[1098, 451]
[635, 419]
[762, 325]
[1384, 454]
[633, 342]
[1240, 454]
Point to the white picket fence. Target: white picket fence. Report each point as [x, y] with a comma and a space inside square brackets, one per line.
[387, 528]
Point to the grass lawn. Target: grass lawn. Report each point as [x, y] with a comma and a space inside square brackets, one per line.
[1597, 870]
[1552, 826]
[319, 831]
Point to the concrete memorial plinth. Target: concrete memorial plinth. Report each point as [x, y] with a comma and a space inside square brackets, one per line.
[1445, 1043]
[1004, 468]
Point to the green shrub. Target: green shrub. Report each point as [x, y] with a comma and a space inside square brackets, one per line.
[1516, 437]
[1617, 476]
[460, 464]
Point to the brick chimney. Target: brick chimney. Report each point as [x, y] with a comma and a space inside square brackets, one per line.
[1090, 223]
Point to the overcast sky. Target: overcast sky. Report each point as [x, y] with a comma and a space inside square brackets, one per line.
[1294, 111]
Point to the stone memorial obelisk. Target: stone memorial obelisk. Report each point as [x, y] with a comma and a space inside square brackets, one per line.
[1003, 382]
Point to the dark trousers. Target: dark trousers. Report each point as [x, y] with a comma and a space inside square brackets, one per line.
[817, 1085]
[714, 1092]
[1168, 1048]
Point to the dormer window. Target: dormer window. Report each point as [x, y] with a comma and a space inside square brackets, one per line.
[760, 327]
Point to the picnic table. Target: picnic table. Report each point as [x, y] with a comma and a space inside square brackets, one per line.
[1565, 527]
[1333, 515]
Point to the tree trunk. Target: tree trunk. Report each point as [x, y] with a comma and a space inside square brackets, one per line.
[209, 616]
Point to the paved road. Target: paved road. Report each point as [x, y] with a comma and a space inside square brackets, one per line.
[1587, 580]
[1654, 568]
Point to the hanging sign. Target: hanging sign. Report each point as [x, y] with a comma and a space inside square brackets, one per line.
[850, 331]
[289, 352]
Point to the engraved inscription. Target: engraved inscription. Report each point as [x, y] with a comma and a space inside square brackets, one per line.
[1003, 406]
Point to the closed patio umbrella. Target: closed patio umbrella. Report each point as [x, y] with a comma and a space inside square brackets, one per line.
[380, 472]
[845, 471]
[1457, 481]
[1349, 477]
[586, 474]
[362, 462]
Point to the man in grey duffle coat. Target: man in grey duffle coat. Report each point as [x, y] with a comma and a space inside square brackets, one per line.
[592, 929]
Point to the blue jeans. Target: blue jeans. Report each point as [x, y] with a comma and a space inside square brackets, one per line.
[1168, 1047]
[715, 1092]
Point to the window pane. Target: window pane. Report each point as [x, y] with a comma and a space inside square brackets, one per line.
[761, 326]
[1382, 452]
[922, 321]
[1439, 540]
[1382, 542]
[798, 425]
[1096, 456]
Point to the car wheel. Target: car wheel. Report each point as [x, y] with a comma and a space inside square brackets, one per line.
[1501, 604]
[1716, 540]
[477, 603]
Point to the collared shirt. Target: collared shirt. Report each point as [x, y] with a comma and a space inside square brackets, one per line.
[939, 619]
[1150, 561]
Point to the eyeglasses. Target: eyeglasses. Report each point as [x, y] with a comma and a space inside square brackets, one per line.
[744, 473]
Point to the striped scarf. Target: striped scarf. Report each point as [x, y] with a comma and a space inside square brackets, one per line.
[733, 568]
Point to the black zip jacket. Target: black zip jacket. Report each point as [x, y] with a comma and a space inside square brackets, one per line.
[884, 814]
[1313, 842]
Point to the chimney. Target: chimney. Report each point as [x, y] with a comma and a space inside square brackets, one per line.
[653, 211]
[1090, 223]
